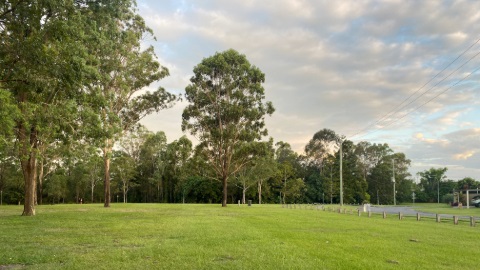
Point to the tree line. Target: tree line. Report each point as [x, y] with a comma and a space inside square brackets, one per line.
[146, 168]
[72, 80]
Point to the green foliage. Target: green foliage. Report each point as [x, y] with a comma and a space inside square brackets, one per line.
[467, 183]
[151, 169]
[11, 181]
[226, 111]
[176, 157]
[8, 114]
[430, 183]
[56, 187]
[201, 190]
[447, 198]
[288, 168]
[324, 143]
[123, 172]
[294, 190]
[125, 70]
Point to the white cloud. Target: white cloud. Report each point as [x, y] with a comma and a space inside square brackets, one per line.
[340, 65]
[465, 155]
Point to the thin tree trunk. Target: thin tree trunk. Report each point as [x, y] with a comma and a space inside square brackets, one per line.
[77, 194]
[40, 183]
[106, 160]
[243, 195]
[124, 193]
[259, 192]
[331, 185]
[158, 191]
[92, 189]
[225, 197]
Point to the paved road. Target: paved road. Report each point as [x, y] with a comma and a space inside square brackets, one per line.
[407, 211]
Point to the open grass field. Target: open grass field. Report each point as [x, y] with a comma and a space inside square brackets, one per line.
[175, 236]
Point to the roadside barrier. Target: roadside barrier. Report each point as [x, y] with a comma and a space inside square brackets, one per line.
[438, 218]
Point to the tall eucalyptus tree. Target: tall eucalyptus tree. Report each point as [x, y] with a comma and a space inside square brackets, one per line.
[43, 65]
[226, 112]
[126, 69]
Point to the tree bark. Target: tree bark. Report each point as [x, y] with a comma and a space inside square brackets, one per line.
[124, 193]
[28, 162]
[28, 169]
[224, 182]
[92, 189]
[243, 195]
[259, 192]
[40, 183]
[106, 161]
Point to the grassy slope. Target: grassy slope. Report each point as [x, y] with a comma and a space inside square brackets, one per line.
[142, 236]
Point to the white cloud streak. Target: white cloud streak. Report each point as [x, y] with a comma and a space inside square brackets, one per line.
[339, 65]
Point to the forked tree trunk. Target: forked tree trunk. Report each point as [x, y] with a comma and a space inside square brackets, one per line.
[28, 145]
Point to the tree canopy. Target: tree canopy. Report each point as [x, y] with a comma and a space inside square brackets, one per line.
[226, 111]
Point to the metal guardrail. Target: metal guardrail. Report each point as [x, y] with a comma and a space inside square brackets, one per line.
[439, 218]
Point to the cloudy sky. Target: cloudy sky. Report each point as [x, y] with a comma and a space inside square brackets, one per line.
[397, 72]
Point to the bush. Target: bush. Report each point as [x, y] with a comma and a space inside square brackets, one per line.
[447, 198]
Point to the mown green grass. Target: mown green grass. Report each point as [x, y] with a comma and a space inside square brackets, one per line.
[161, 236]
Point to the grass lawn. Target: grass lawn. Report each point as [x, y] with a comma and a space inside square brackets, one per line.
[176, 236]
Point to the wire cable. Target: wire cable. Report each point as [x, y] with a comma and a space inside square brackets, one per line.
[395, 109]
[399, 107]
[425, 103]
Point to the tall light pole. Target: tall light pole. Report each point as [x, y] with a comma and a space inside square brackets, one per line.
[341, 174]
[393, 180]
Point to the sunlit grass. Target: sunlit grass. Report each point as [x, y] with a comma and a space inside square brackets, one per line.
[161, 236]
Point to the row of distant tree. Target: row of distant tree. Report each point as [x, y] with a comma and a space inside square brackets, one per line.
[146, 168]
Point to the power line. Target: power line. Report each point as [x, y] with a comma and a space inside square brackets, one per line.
[425, 103]
[399, 107]
[421, 95]
[394, 110]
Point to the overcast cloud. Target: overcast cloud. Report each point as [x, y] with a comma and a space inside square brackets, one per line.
[341, 65]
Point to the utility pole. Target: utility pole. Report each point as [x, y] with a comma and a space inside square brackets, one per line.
[438, 191]
[393, 180]
[341, 174]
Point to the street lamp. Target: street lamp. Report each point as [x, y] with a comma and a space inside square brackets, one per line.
[393, 180]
